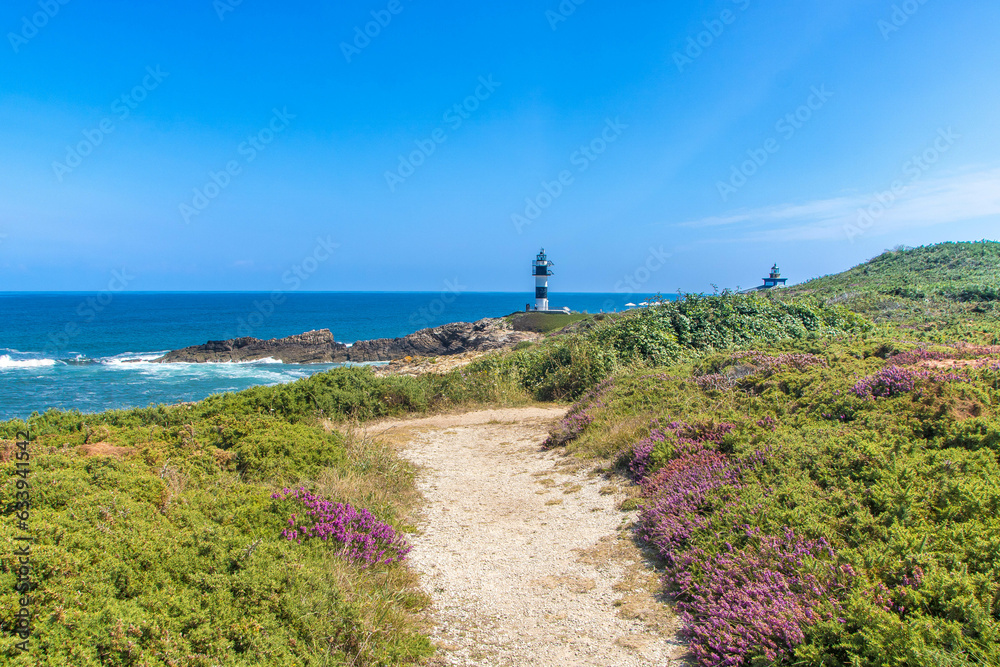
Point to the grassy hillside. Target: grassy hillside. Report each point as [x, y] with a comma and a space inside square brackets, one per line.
[543, 322]
[930, 288]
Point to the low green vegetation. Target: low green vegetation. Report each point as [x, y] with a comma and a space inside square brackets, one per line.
[822, 490]
[564, 367]
[544, 322]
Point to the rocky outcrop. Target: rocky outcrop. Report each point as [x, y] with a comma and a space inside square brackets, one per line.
[488, 334]
[314, 347]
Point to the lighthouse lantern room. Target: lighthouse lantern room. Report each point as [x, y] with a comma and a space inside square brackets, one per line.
[541, 270]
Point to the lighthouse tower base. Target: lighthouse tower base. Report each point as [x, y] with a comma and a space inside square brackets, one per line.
[528, 308]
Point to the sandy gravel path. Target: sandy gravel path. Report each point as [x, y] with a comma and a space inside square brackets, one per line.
[524, 552]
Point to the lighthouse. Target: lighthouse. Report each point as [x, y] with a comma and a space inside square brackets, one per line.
[775, 279]
[540, 269]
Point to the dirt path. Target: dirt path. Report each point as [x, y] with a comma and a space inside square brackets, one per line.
[523, 551]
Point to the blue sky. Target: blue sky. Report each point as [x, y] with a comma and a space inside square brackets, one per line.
[219, 145]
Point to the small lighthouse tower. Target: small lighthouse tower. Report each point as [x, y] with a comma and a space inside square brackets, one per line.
[541, 271]
[775, 279]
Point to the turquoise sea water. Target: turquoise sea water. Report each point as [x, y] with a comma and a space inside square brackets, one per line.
[91, 351]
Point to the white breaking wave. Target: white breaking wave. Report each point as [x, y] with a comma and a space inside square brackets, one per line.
[7, 362]
[132, 358]
[265, 360]
[260, 371]
[147, 358]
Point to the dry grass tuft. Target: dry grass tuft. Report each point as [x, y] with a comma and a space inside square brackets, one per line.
[375, 477]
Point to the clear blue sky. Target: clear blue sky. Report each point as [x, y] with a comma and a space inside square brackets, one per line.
[160, 96]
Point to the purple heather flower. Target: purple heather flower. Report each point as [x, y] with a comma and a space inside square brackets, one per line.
[363, 538]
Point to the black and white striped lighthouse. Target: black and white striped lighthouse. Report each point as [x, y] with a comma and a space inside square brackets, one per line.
[541, 271]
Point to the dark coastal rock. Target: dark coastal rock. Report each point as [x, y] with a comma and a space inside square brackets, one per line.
[314, 347]
[306, 348]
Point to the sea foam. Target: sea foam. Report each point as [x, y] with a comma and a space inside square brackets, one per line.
[6, 361]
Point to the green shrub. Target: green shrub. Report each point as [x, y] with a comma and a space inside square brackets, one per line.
[267, 448]
[567, 366]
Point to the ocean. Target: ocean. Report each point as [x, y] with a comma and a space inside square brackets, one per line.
[92, 351]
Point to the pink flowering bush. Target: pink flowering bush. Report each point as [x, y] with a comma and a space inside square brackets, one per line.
[664, 443]
[736, 603]
[569, 428]
[918, 355]
[888, 382]
[642, 452]
[363, 538]
[893, 381]
[677, 496]
[768, 422]
[956, 351]
[756, 601]
[576, 420]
